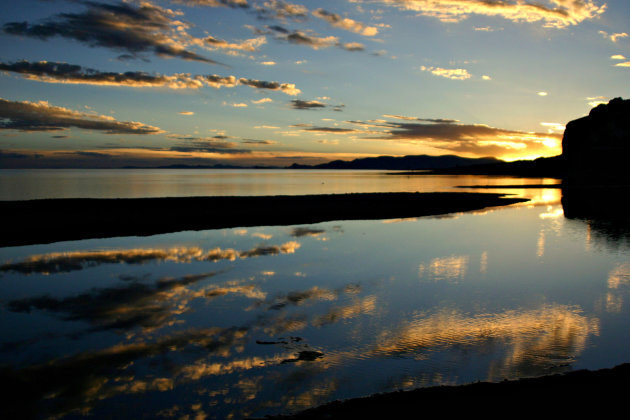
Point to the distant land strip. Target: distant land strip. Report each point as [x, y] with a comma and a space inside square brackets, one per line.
[53, 220]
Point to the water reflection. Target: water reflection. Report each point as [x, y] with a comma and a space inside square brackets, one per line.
[451, 268]
[218, 324]
[71, 261]
[126, 306]
[536, 340]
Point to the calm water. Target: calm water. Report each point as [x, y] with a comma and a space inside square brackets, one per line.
[237, 322]
[28, 184]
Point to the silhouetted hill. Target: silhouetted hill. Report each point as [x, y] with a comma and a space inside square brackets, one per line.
[551, 167]
[418, 162]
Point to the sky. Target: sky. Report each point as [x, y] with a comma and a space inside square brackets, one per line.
[269, 82]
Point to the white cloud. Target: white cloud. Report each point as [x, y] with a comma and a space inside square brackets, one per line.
[454, 74]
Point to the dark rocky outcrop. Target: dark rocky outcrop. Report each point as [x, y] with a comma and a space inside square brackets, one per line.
[596, 148]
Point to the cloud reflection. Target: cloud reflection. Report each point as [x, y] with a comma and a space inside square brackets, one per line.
[64, 262]
[451, 268]
[123, 307]
[538, 339]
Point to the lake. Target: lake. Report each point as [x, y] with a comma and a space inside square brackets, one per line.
[243, 322]
[29, 184]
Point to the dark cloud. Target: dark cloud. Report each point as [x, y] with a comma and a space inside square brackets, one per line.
[40, 116]
[53, 72]
[258, 142]
[207, 147]
[242, 4]
[300, 104]
[16, 155]
[478, 139]
[302, 38]
[450, 131]
[431, 120]
[345, 23]
[278, 9]
[120, 26]
[331, 130]
[288, 88]
[278, 28]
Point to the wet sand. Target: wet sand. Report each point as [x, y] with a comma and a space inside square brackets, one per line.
[53, 220]
[581, 392]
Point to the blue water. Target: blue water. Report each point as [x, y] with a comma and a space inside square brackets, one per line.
[252, 321]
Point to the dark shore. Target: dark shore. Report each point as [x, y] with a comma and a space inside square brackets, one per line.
[53, 220]
[579, 392]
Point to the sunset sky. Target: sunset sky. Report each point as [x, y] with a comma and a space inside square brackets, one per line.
[246, 82]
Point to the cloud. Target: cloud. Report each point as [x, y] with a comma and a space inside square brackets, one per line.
[337, 130]
[310, 40]
[593, 101]
[625, 64]
[613, 37]
[453, 74]
[207, 145]
[249, 45]
[471, 139]
[432, 120]
[345, 23]
[352, 46]
[311, 105]
[301, 38]
[288, 88]
[268, 63]
[262, 101]
[276, 9]
[617, 57]
[41, 116]
[258, 142]
[120, 26]
[215, 3]
[542, 93]
[552, 13]
[186, 113]
[52, 72]
[300, 104]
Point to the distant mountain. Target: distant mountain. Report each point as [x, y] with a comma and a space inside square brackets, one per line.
[551, 167]
[418, 162]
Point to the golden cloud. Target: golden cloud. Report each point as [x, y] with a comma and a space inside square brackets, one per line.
[552, 13]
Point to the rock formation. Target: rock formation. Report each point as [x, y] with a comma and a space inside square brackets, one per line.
[596, 148]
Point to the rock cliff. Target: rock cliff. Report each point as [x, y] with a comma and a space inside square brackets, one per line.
[596, 148]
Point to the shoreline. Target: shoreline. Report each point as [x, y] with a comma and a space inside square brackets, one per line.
[573, 392]
[53, 220]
